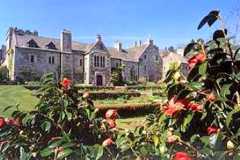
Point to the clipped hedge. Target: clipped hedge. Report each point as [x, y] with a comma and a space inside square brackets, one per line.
[129, 110]
[111, 95]
[32, 87]
[103, 88]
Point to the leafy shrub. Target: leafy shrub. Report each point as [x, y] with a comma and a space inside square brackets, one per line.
[62, 126]
[116, 76]
[3, 74]
[201, 118]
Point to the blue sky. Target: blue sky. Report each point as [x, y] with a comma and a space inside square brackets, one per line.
[168, 22]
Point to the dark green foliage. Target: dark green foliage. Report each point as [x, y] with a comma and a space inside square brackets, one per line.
[62, 126]
[116, 77]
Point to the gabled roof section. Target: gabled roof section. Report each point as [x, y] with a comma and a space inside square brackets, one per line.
[22, 41]
[136, 52]
[132, 54]
[51, 45]
[32, 43]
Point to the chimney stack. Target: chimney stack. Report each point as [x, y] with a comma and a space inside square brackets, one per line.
[66, 41]
[150, 41]
[98, 38]
[139, 43]
[118, 46]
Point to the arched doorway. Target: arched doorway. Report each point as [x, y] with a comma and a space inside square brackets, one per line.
[99, 80]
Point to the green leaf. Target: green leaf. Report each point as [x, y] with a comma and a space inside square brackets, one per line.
[55, 144]
[46, 125]
[186, 122]
[225, 90]
[8, 107]
[209, 19]
[189, 47]
[96, 151]
[203, 68]
[46, 152]
[229, 116]
[24, 155]
[155, 140]
[66, 152]
[196, 85]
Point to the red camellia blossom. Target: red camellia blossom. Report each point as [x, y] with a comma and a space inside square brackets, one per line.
[211, 97]
[174, 106]
[107, 142]
[181, 156]
[198, 58]
[66, 83]
[2, 122]
[195, 107]
[111, 114]
[13, 122]
[212, 130]
[111, 123]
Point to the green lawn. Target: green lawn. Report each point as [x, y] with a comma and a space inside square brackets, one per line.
[130, 123]
[16, 94]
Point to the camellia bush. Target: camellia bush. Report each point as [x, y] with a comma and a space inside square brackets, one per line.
[201, 119]
[63, 126]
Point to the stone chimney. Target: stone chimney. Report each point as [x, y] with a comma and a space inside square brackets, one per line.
[139, 43]
[98, 38]
[66, 41]
[135, 44]
[150, 41]
[118, 46]
[35, 33]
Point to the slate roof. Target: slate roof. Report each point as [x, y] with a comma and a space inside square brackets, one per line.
[22, 41]
[170, 56]
[130, 54]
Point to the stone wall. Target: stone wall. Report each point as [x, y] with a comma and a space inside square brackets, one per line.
[104, 72]
[130, 71]
[78, 67]
[32, 63]
[115, 62]
[150, 64]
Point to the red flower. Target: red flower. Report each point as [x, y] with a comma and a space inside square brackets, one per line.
[111, 123]
[107, 142]
[2, 122]
[111, 114]
[211, 97]
[182, 156]
[174, 106]
[195, 107]
[66, 83]
[13, 122]
[212, 130]
[198, 58]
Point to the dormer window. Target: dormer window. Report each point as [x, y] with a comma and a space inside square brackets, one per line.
[32, 44]
[51, 45]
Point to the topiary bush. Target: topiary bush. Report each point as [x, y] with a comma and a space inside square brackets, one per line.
[201, 118]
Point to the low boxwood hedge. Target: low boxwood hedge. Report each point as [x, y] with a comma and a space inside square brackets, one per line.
[111, 95]
[129, 110]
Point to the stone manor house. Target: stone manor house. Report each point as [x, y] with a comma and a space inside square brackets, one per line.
[29, 55]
